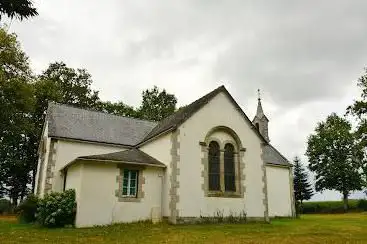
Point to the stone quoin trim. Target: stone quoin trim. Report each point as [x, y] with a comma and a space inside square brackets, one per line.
[242, 167]
[120, 180]
[265, 186]
[175, 172]
[40, 174]
[50, 166]
[293, 206]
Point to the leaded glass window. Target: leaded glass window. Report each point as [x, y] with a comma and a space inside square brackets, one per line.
[214, 166]
[229, 168]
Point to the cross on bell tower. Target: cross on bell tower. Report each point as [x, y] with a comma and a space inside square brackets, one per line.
[260, 120]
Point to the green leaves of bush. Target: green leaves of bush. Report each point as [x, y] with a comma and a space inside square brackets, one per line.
[57, 209]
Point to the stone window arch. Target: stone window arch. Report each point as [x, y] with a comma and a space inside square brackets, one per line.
[223, 160]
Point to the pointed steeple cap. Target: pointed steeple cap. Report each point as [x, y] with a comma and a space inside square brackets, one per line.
[259, 111]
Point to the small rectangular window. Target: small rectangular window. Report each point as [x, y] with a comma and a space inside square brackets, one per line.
[130, 183]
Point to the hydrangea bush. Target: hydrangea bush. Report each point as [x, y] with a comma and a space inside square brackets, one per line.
[57, 209]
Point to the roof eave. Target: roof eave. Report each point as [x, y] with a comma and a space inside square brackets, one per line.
[111, 161]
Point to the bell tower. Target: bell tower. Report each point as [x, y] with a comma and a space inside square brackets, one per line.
[260, 120]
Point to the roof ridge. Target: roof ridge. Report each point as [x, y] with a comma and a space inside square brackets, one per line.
[97, 111]
[180, 114]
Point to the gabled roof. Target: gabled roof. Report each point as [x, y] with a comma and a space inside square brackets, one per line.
[81, 124]
[132, 156]
[176, 119]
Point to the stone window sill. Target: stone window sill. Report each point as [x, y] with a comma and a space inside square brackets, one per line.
[129, 199]
[223, 194]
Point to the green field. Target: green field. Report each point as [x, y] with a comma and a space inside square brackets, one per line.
[338, 228]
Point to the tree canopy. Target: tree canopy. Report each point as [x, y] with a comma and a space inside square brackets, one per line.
[334, 156]
[19, 9]
[16, 105]
[157, 104]
[359, 110]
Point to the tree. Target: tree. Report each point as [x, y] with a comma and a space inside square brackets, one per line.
[157, 104]
[359, 111]
[118, 108]
[302, 188]
[334, 156]
[16, 106]
[20, 9]
[62, 84]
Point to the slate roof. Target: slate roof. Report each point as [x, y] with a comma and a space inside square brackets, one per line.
[272, 156]
[134, 156]
[75, 123]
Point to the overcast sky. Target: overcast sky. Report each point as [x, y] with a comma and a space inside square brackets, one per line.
[305, 56]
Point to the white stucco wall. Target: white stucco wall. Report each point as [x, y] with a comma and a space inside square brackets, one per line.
[97, 203]
[192, 202]
[67, 151]
[160, 149]
[279, 191]
[74, 179]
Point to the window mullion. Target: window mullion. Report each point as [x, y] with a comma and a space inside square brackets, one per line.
[221, 171]
[128, 183]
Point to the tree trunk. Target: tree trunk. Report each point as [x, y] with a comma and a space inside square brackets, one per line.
[345, 201]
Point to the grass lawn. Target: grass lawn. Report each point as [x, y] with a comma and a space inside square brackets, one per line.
[339, 228]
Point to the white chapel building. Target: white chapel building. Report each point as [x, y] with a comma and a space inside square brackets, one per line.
[206, 158]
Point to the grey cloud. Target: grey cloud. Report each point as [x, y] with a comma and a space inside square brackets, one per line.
[300, 53]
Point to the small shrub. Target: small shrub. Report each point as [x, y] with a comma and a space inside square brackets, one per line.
[5, 206]
[57, 209]
[26, 210]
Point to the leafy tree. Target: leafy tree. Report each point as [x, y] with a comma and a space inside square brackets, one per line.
[359, 110]
[118, 108]
[16, 105]
[302, 187]
[335, 157]
[20, 9]
[157, 104]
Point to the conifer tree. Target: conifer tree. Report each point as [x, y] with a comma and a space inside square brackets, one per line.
[302, 188]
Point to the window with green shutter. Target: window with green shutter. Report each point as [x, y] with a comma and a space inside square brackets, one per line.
[130, 183]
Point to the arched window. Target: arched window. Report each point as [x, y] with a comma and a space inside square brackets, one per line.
[214, 166]
[229, 170]
[257, 126]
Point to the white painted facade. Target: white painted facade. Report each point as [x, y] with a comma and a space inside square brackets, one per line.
[279, 191]
[267, 193]
[95, 185]
[160, 149]
[192, 201]
[68, 150]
